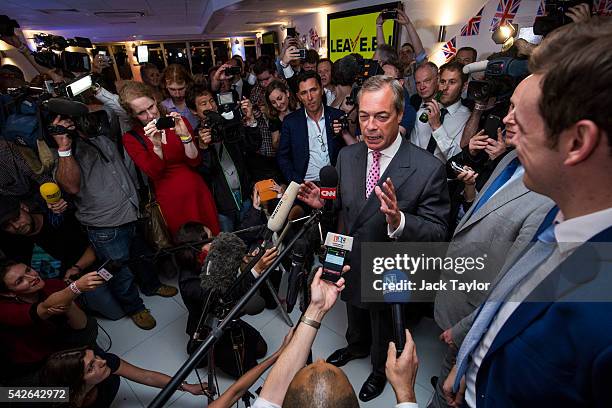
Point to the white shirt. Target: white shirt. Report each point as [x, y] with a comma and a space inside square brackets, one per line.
[317, 137]
[330, 97]
[262, 403]
[570, 235]
[386, 156]
[447, 136]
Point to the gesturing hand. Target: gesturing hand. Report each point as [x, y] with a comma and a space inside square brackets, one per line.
[310, 194]
[388, 203]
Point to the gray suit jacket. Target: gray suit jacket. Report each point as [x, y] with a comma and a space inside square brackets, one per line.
[422, 194]
[501, 228]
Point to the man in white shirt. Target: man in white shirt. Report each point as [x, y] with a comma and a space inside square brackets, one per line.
[525, 349]
[441, 133]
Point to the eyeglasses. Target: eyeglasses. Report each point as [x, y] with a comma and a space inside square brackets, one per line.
[320, 139]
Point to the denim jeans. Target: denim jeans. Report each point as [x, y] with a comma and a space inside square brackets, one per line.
[114, 243]
[229, 223]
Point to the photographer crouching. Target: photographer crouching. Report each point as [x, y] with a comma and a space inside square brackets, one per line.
[226, 135]
[206, 274]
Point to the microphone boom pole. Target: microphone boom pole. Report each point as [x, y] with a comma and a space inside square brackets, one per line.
[202, 350]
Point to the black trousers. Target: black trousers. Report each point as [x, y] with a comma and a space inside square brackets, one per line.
[370, 331]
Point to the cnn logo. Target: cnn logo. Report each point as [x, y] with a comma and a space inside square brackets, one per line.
[328, 193]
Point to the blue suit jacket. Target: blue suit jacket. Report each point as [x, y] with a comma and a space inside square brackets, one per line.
[556, 354]
[293, 151]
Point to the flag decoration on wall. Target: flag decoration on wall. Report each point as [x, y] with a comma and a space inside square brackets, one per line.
[314, 38]
[506, 12]
[541, 9]
[602, 7]
[450, 49]
[473, 26]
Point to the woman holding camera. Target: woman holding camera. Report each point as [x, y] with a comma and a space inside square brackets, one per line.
[169, 157]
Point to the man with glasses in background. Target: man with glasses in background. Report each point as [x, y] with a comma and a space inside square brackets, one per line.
[308, 141]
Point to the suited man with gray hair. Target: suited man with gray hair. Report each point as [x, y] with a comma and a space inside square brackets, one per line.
[389, 189]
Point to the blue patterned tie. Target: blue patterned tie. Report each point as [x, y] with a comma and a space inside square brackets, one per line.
[502, 179]
[521, 269]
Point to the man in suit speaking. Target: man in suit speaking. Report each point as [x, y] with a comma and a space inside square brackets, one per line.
[388, 189]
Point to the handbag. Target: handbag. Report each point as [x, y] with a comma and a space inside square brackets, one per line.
[155, 229]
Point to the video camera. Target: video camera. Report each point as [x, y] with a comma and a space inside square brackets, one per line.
[367, 69]
[555, 17]
[502, 75]
[225, 125]
[50, 52]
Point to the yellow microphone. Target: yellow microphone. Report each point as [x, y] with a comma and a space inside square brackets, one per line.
[50, 192]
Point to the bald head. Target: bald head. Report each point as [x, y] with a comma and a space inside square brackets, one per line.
[320, 385]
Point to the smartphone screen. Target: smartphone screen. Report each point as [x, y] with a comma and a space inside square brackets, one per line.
[332, 266]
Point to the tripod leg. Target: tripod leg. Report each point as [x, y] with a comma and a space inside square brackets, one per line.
[284, 314]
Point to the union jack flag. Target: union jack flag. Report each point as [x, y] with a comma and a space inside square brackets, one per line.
[473, 26]
[541, 9]
[314, 38]
[506, 11]
[602, 7]
[450, 49]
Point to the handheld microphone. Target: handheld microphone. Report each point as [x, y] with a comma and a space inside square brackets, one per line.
[280, 213]
[328, 176]
[50, 192]
[220, 269]
[397, 298]
[477, 66]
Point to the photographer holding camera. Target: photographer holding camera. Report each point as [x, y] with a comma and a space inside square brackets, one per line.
[231, 72]
[224, 145]
[169, 157]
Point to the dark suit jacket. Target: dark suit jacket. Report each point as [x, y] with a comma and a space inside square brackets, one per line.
[556, 354]
[245, 142]
[293, 151]
[422, 194]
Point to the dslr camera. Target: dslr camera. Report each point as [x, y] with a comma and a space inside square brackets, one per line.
[367, 68]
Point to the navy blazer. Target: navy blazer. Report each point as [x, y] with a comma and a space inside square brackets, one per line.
[556, 354]
[293, 151]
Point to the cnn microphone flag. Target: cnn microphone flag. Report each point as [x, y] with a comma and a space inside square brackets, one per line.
[505, 13]
[473, 26]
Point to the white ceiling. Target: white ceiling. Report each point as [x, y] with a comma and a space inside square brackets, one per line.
[161, 19]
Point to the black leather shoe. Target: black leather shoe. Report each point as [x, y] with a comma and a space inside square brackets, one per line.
[372, 387]
[342, 356]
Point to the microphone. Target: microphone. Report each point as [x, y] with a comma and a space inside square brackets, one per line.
[222, 263]
[477, 66]
[50, 192]
[220, 269]
[281, 212]
[397, 298]
[328, 176]
[63, 106]
[298, 258]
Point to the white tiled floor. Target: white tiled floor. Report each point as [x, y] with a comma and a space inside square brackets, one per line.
[163, 349]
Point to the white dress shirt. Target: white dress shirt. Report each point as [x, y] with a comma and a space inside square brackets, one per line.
[447, 136]
[317, 138]
[386, 156]
[570, 235]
